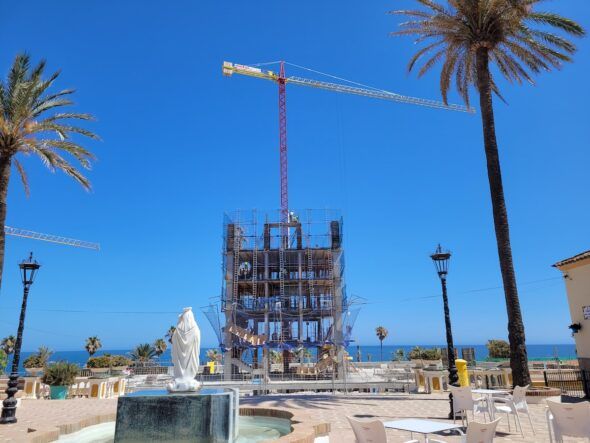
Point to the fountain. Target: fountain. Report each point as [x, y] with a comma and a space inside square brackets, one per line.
[184, 413]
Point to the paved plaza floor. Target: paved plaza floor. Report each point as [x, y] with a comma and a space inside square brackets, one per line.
[335, 408]
[47, 417]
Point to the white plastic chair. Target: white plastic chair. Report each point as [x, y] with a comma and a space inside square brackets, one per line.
[463, 401]
[568, 419]
[368, 431]
[513, 405]
[477, 433]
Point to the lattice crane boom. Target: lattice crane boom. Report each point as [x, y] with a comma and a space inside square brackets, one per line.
[229, 69]
[24, 233]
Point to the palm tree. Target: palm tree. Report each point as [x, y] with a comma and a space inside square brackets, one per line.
[29, 125]
[213, 355]
[170, 333]
[143, 353]
[400, 354]
[43, 354]
[276, 356]
[467, 37]
[92, 345]
[160, 347]
[381, 334]
[7, 344]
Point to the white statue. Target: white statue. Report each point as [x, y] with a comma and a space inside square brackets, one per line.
[186, 344]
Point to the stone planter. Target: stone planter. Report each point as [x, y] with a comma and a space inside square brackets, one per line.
[542, 394]
[99, 371]
[33, 371]
[419, 363]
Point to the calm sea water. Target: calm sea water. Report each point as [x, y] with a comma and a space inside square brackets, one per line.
[372, 353]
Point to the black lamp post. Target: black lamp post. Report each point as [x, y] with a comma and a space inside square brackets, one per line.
[441, 262]
[28, 269]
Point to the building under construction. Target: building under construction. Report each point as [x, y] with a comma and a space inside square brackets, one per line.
[283, 296]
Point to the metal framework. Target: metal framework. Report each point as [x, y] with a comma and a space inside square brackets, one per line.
[24, 233]
[283, 291]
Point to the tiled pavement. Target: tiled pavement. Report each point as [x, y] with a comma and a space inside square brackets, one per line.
[40, 420]
[335, 409]
[44, 415]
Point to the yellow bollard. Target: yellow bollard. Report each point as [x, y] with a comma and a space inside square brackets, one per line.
[462, 372]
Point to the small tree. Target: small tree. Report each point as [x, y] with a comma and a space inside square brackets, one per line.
[170, 333]
[143, 353]
[7, 344]
[399, 354]
[92, 345]
[160, 347]
[3, 360]
[415, 353]
[381, 333]
[498, 349]
[213, 355]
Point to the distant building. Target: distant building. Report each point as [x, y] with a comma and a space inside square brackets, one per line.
[576, 272]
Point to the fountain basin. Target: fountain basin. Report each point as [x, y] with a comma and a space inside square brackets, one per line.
[207, 415]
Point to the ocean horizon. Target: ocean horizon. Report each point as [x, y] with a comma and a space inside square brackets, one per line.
[368, 353]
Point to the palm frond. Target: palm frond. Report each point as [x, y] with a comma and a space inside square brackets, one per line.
[23, 176]
[501, 29]
[557, 21]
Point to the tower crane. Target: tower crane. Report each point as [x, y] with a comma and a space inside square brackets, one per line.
[282, 80]
[16, 232]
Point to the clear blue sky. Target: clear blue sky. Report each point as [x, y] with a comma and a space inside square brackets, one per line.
[182, 144]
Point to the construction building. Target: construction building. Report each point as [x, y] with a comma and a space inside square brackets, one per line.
[283, 294]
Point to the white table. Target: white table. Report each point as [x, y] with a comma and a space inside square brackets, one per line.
[419, 426]
[489, 393]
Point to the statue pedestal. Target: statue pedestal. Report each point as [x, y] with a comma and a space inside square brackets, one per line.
[209, 415]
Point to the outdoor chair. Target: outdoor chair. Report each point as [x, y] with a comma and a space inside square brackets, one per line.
[463, 401]
[368, 431]
[513, 405]
[476, 433]
[568, 419]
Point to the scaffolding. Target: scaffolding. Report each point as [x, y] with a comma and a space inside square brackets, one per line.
[283, 293]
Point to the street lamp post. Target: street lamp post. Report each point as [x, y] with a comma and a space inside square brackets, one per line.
[441, 263]
[28, 269]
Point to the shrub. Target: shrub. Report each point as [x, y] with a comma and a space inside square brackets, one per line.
[38, 359]
[120, 360]
[107, 361]
[104, 361]
[424, 354]
[3, 360]
[60, 374]
[498, 349]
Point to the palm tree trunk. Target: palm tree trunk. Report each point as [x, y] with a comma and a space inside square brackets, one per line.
[516, 335]
[381, 350]
[5, 162]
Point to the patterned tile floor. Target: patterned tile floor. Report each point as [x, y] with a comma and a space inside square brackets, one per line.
[335, 409]
[44, 415]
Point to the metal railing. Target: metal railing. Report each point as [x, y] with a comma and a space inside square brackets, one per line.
[571, 382]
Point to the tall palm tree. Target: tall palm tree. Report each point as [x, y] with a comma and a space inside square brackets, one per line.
[468, 37]
[7, 344]
[30, 125]
[92, 345]
[170, 333]
[381, 333]
[143, 353]
[160, 347]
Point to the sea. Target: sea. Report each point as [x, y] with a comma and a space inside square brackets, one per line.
[368, 353]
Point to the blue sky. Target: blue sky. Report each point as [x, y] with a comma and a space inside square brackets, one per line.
[182, 144]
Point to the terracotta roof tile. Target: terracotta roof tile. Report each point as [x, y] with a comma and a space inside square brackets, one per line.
[574, 259]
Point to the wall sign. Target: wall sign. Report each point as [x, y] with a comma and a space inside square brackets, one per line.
[586, 310]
